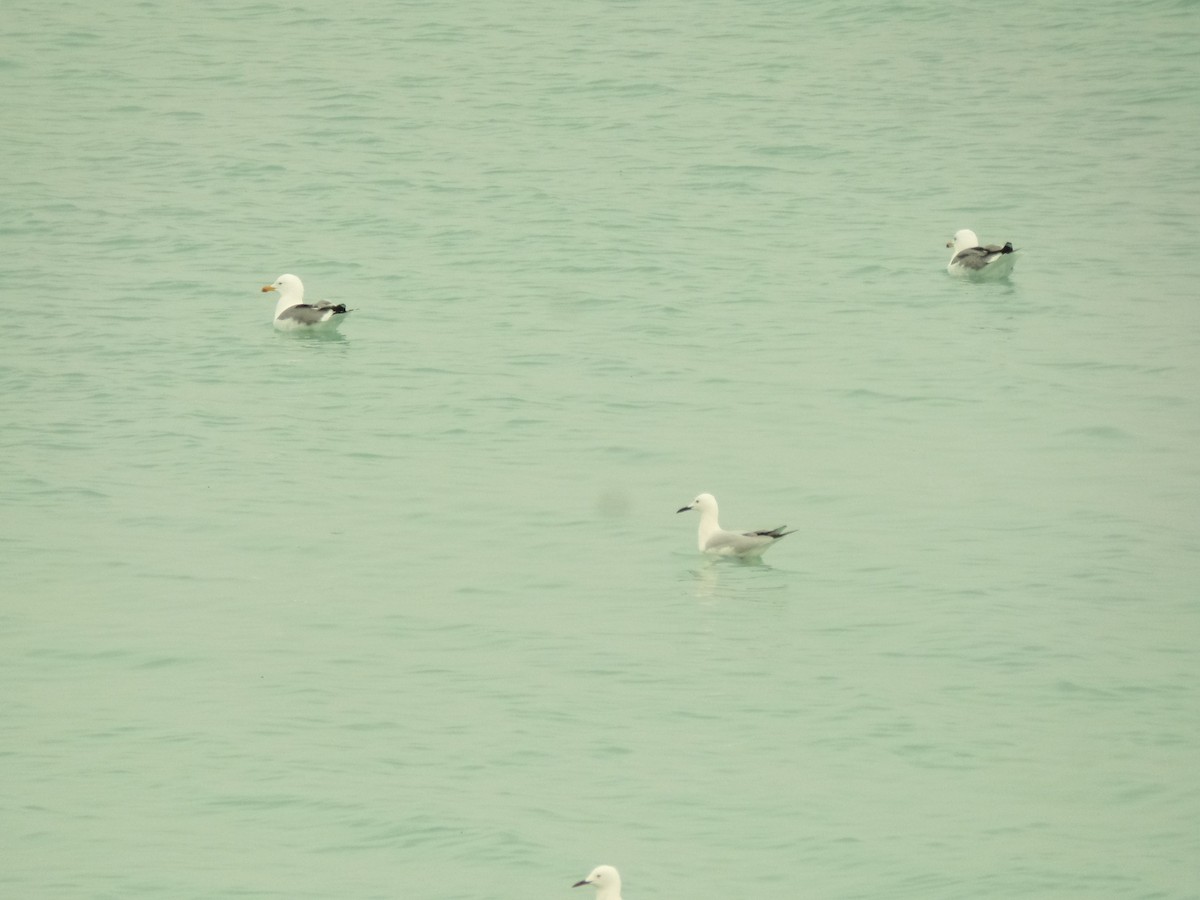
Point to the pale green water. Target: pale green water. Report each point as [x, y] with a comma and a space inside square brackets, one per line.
[409, 614]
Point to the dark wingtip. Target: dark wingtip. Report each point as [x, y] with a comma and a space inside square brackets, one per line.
[1008, 248]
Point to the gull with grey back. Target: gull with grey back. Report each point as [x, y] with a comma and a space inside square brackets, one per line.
[714, 539]
[293, 314]
[969, 259]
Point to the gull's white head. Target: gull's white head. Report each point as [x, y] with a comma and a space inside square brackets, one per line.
[290, 288]
[963, 238]
[606, 880]
[703, 503]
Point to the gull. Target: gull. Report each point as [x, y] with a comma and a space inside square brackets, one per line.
[715, 539]
[293, 314]
[979, 262]
[607, 882]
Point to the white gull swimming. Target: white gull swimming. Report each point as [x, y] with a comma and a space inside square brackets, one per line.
[712, 538]
[293, 314]
[981, 263]
[607, 882]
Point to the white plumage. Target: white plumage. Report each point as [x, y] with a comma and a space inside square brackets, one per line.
[293, 314]
[606, 880]
[983, 263]
[714, 539]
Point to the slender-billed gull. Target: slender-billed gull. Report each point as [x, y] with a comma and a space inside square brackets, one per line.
[292, 313]
[983, 263]
[607, 882]
[715, 539]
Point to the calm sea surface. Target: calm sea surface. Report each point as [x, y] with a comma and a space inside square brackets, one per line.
[408, 612]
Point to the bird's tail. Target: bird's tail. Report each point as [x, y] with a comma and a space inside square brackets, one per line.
[776, 532]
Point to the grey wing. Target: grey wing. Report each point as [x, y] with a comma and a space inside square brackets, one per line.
[737, 542]
[973, 257]
[775, 533]
[325, 304]
[306, 314]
